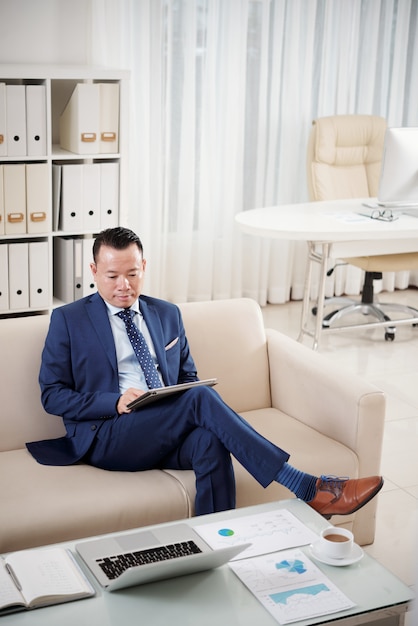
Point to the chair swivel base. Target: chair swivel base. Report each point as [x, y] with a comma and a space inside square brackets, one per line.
[377, 310]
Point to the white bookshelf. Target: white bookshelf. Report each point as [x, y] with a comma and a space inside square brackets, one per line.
[59, 83]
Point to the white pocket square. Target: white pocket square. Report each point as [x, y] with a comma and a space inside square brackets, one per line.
[171, 344]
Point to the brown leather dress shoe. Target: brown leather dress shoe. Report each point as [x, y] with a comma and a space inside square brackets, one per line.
[342, 496]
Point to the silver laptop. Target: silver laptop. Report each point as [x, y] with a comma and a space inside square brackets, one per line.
[129, 559]
[162, 392]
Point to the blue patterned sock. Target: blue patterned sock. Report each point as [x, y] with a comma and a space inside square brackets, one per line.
[301, 484]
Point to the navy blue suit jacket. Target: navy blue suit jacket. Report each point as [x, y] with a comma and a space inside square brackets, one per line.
[79, 371]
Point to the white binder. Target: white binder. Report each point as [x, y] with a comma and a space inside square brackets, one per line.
[38, 207]
[36, 120]
[91, 197]
[89, 286]
[14, 181]
[109, 118]
[38, 275]
[64, 269]
[80, 120]
[56, 195]
[18, 276]
[16, 120]
[2, 216]
[3, 133]
[71, 209]
[4, 278]
[109, 194]
[78, 268]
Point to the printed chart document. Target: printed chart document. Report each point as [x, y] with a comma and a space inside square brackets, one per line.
[286, 582]
[33, 578]
[290, 586]
[267, 532]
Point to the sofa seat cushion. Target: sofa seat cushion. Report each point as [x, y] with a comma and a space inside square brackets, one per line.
[48, 504]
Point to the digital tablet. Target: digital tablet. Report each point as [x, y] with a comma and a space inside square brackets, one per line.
[163, 392]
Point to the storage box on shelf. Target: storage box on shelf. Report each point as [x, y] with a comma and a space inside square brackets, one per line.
[62, 177]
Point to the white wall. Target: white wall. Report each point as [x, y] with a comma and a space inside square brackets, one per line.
[44, 31]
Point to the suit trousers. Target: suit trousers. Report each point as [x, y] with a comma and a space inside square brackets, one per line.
[194, 430]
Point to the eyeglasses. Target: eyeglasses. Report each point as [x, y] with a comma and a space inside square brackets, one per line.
[384, 215]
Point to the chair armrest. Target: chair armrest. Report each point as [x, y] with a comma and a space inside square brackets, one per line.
[306, 386]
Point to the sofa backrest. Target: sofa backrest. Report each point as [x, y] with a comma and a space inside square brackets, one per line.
[227, 340]
[22, 417]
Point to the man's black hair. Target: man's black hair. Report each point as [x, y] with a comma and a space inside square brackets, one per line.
[118, 238]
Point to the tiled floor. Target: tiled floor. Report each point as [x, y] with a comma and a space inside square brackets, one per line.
[393, 367]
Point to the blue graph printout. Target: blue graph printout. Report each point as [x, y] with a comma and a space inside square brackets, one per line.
[290, 586]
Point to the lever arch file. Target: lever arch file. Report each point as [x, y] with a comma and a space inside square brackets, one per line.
[38, 275]
[64, 269]
[16, 120]
[89, 286]
[36, 120]
[3, 135]
[109, 194]
[71, 211]
[2, 216]
[4, 278]
[56, 195]
[14, 180]
[109, 118]
[91, 196]
[78, 268]
[19, 275]
[38, 206]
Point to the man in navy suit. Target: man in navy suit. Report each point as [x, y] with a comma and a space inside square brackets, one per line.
[89, 375]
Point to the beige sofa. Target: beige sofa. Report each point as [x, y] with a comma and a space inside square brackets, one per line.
[330, 422]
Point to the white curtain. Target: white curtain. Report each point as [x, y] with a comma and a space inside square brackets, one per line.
[223, 93]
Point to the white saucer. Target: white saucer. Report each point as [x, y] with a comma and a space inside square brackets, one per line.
[356, 554]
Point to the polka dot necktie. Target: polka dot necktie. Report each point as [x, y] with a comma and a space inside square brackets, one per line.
[141, 349]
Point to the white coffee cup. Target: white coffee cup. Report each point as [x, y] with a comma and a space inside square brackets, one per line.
[336, 543]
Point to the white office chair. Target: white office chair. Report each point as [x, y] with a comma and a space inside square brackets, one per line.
[344, 161]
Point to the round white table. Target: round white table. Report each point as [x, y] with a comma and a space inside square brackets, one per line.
[337, 229]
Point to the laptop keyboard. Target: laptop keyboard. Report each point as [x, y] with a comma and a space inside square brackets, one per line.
[114, 566]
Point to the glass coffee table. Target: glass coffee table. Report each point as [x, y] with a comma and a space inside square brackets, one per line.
[218, 597]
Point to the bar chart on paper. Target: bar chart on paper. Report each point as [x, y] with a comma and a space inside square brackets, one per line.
[290, 586]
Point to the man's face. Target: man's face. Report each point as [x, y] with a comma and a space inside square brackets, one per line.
[119, 274]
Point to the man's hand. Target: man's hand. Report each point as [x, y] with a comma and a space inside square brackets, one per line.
[127, 397]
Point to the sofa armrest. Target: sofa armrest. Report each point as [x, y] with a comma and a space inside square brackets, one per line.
[336, 403]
